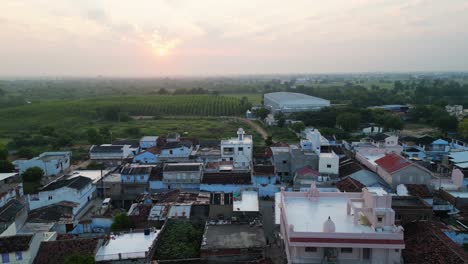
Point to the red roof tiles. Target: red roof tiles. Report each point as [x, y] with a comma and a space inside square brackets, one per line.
[426, 243]
[392, 162]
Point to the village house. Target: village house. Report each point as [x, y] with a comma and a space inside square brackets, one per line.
[58, 250]
[22, 249]
[77, 190]
[13, 215]
[182, 175]
[110, 155]
[135, 181]
[134, 247]
[395, 170]
[147, 142]
[238, 150]
[52, 163]
[329, 226]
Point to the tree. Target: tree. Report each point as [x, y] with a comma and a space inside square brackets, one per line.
[446, 123]
[79, 259]
[6, 166]
[24, 152]
[121, 222]
[280, 119]
[463, 128]
[133, 131]
[392, 122]
[348, 121]
[297, 127]
[33, 174]
[94, 137]
[93, 165]
[261, 112]
[47, 131]
[3, 153]
[269, 141]
[163, 91]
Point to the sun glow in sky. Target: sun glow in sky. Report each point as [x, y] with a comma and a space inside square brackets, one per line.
[211, 37]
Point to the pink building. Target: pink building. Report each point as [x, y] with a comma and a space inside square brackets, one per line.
[335, 227]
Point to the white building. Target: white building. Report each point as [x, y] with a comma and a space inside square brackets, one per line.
[135, 247]
[292, 102]
[329, 164]
[111, 154]
[52, 163]
[78, 190]
[147, 142]
[337, 227]
[238, 150]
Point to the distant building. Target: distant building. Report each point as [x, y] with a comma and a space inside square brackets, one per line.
[329, 164]
[147, 142]
[335, 227]
[52, 163]
[108, 154]
[238, 150]
[293, 102]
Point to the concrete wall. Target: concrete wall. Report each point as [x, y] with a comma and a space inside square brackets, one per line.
[146, 157]
[50, 167]
[181, 152]
[329, 165]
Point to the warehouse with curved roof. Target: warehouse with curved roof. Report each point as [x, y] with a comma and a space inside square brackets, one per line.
[293, 102]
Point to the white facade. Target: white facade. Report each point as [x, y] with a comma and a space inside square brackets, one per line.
[148, 142]
[52, 163]
[336, 227]
[329, 164]
[64, 194]
[238, 150]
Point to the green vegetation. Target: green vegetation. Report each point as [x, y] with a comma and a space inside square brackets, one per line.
[32, 179]
[79, 259]
[463, 128]
[121, 222]
[180, 240]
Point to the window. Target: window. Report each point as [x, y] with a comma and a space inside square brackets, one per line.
[310, 249]
[366, 253]
[19, 255]
[328, 165]
[285, 161]
[286, 173]
[171, 152]
[231, 159]
[346, 250]
[5, 258]
[142, 177]
[397, 250]
[379, 219]
[240, 149]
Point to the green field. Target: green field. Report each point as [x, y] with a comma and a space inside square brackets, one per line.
[76, 114]
[254, 98]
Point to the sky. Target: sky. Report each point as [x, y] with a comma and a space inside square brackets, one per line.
[152, 38]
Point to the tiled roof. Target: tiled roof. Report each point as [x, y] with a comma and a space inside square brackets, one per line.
[392, 162]
[107, 149]
[62, 211]
[182, 167]
[9, 210]
[264, 170]
[136, 170]
[16, 243]
[58, 251]
[426, 243]
[156, 173]
[227, 178]
[419, 190]
[307, 170]
[349, 185]
[349, 167]
[77, 183]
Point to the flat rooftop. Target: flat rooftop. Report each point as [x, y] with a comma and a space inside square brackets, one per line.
[459, 194]
[235, 140]
[248, 202]
[130, 246]
[309, 215]
[94, 175]
[233, 236]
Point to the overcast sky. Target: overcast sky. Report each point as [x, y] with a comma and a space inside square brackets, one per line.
[212, 37]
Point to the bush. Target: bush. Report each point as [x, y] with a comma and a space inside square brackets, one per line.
[180, 240]
[121, 222]
[6, 166]
[33, 174]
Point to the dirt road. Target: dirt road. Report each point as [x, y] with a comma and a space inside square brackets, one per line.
[256, 127]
